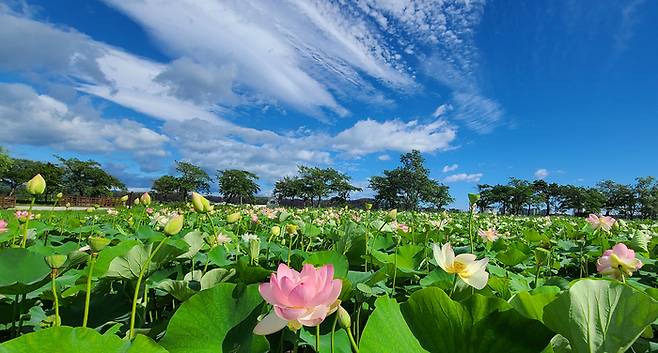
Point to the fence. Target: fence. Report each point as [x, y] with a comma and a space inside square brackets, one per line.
[84, 201]
[7, 201]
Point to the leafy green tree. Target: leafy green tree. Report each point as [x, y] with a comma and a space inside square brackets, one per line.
[237, 184]
[620, 198]
[87, 178]
[549, 194]
[166, 184]
[5, 161]
[288, 188]
[409, 186]
[646, 194]
[192, 178]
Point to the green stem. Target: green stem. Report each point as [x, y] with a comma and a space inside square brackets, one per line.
[53, 275]
[470, 229]
[333, 332]
[295, 346]
[355, 347]
[395, 272]
[317, 339]
[454, 286]
[92, 261]
[27, 221]
[131, 334]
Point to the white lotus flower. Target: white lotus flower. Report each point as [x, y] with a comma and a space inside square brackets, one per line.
[472, 271]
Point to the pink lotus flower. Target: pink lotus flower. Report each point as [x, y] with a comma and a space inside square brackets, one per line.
[3, 226]
[149, 210]
[399, 226]
[489, 234]
[23, 216]
[604, 223]
[618, 262]
[299, 298]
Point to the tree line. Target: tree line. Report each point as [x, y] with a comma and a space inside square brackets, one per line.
[639, 199]
[69, 176]
[408, 187]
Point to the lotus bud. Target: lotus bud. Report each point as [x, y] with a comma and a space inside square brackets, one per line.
[344, 318]
[55, 261]
[197, 203]
[473, 199]
[68, 205]
[276, 230]
[136, 201]
[291, 228]
[233, 217]
[59, 196]
[174, 225]
[368, 206]
[392, 214]
[36, 185]
[124, 198]
[97, 243]
[145, 199]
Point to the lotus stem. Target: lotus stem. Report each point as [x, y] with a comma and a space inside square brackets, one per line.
[131, 333]
[27, 221]
[355, 347]
[92, 261]
[53, 285]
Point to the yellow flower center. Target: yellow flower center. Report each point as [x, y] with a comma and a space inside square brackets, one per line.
[458, 267]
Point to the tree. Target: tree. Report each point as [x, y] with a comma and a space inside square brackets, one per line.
[237, 184]
[87, 178]
[581, 200]
[5, 161]
[409, 186]
[23, 170]
[313, 184]
[547, 193]
[646, 194]
[166, 184]
[287, 188]
[192, 178]
[618, 197]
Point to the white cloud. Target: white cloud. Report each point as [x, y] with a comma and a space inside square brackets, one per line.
[367, 136]
[450, 168]
[463, 177]
[541, 173]
[441, 110]
[384, 157]
[30, 118]
[304, 55]
[294, 52]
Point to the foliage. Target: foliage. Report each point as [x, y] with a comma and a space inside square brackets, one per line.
[237, 184]
[409, 186]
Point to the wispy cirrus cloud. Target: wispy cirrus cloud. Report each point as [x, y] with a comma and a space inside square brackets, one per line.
[308, 56]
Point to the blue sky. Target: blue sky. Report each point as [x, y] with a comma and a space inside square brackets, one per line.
[566, 91]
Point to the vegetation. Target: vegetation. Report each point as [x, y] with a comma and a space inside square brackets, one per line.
[222, 278]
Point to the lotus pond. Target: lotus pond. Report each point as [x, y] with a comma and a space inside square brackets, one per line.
[199, 278]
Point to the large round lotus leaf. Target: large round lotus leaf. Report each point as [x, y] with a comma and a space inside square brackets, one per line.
[216, 320]
[387, 332]
[21, 271]
[599, 316]
[477, 325]
[339, 261]
[74, 340]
